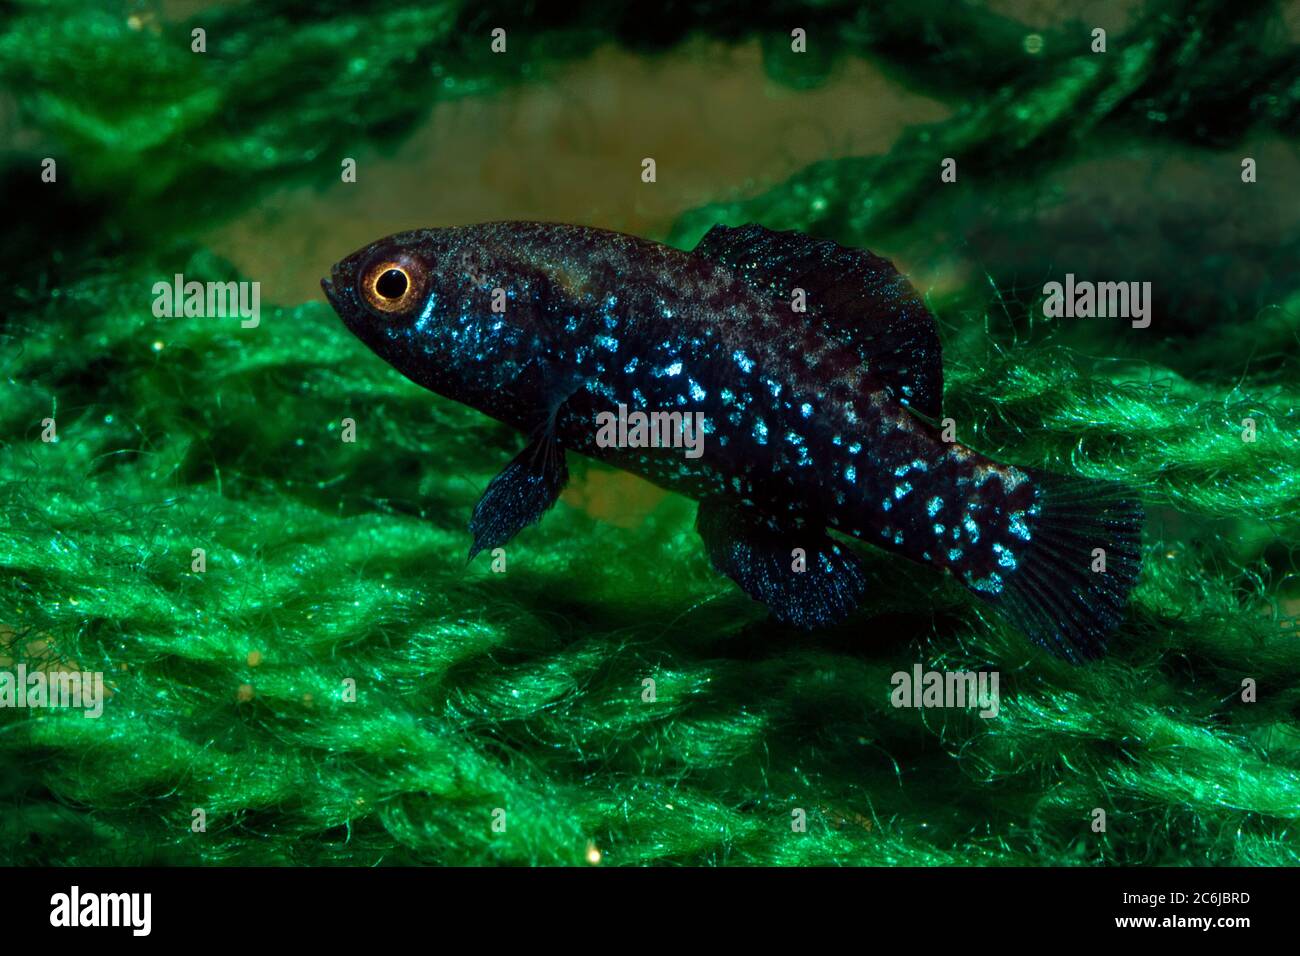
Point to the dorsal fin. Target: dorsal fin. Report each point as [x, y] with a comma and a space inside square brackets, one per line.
[867, 305]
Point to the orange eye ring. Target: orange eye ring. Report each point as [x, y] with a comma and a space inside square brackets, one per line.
[392, 285]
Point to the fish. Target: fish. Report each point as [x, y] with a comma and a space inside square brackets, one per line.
[815, 373]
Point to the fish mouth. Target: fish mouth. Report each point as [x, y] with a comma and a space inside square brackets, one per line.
[327, 286]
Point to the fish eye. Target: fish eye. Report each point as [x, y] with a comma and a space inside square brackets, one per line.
[391, 285]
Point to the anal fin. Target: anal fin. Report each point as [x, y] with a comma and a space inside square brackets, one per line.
[758, 554]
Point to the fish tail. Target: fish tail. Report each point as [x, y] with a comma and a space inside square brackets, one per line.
[1073, 577]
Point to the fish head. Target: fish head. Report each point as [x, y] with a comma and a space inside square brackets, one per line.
[432, 303]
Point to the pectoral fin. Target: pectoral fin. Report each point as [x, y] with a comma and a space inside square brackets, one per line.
[759, 555]
[520, 495]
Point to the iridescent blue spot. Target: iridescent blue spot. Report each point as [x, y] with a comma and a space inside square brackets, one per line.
[1018, 526]
[855, 448]
[972, 529]
[954, 554]
[990, 585]
[744, 361]
[760, 432]
[630, 367]
[697, 393]
[851, 474]
[902, 489]
[932, 506]
[1005, 557]
[805, 410]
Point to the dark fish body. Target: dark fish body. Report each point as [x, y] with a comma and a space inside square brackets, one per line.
[812, 420]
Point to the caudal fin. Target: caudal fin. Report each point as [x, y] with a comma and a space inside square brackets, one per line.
[1058, 594]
